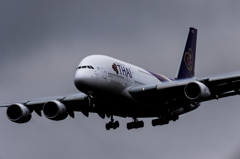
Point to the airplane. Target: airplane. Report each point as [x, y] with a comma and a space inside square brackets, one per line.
[111, 87]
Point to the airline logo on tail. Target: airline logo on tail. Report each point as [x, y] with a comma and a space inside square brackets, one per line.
[188, 59]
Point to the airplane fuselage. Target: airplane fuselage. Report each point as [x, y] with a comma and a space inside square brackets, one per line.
[110, 79]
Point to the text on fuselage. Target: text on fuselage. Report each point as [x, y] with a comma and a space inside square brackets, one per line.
[122, 70]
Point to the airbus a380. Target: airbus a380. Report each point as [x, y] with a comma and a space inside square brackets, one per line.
[111, 87]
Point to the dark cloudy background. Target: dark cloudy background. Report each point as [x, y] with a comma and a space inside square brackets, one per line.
[42, 42]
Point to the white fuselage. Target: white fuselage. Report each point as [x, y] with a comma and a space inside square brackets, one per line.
[110, 78]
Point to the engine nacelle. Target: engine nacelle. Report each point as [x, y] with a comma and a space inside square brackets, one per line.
[55, 110]
[18, 113]
[196, 91]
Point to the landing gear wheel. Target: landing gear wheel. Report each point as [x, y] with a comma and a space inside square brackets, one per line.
[175, 118]
[160, 121]
[129, 126]
[155, 122]
[140, 124]
[116, 123]
[135, 125]
[112, 125]
[108, 126]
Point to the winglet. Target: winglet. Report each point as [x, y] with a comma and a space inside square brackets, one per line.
[187, 63]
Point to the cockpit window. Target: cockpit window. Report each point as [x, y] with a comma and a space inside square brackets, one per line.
[90, 67]
[82, 67]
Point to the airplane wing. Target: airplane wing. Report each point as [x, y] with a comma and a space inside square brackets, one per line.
[42, 101]
[187, 91]
[76, 102]
[223, 86]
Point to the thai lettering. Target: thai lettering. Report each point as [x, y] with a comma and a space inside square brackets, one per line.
[122, 70]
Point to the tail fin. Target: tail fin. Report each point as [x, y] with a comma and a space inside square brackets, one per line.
[187, 63]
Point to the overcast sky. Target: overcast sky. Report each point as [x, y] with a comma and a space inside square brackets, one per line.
[42, 42]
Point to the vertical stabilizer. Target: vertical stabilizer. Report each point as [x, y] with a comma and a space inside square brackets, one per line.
[187, 63]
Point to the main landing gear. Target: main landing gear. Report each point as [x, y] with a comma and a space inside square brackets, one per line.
[135, 124]
[112, 124]
[164, 120]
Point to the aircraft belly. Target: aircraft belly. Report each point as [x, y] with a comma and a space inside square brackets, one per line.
[132, 109]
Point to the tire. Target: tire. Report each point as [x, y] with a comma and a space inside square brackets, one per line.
[129, 126]
[155, 122]
[116, 124]
[141, 124]
[108, 126]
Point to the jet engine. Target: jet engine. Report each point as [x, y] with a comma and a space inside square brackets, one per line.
[197, 91]
[55, 110]
[18, 113]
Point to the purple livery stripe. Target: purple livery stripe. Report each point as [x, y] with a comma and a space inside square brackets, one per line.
[159, 77]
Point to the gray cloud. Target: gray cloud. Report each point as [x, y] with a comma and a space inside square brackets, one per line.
[41, 43]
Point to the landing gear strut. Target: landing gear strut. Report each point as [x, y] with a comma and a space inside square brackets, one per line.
[135, 124]
[112, 124]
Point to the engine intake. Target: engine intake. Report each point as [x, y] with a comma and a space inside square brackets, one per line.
[18, 113]
[55, 110]
[197, 91]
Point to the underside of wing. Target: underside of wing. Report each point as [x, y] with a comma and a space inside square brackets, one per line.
[160, 94]
[55, 108]
[190, 91]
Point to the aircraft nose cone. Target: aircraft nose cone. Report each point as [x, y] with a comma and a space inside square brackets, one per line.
[83, 80]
